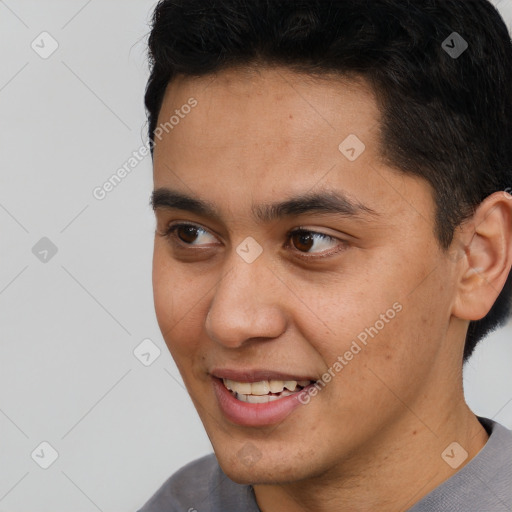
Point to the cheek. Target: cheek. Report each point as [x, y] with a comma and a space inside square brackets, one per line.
[163, 293]
[178, 305]
[386, 325]
[401, 357]
[171, 297]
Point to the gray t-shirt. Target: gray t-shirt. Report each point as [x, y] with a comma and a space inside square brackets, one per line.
[482, 485]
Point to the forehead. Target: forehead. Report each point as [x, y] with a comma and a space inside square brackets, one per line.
[271, 101]
[273, 132]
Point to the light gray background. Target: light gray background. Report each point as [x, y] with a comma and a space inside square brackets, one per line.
[69, 325]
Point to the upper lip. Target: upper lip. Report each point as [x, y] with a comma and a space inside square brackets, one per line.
[256, 375]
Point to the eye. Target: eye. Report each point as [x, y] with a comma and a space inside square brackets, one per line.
[186, 234]
[305, 240]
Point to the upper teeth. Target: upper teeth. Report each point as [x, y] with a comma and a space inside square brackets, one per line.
[263, 387]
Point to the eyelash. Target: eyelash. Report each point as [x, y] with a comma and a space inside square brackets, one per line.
[170, 235]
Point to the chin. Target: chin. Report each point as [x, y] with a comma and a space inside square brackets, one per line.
[258, 476]
[262, 470]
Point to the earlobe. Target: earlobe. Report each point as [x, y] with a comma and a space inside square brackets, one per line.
[488, 257]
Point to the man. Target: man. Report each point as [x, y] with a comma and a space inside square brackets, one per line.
[334, 236]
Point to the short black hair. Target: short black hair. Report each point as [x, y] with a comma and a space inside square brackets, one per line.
[445, 117]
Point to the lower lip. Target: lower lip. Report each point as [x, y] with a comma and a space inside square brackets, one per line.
[254, 415]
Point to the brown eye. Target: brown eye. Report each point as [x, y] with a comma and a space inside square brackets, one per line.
[187, 234]
[304, 240]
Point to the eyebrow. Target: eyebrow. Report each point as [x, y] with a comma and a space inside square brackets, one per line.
[325, 202]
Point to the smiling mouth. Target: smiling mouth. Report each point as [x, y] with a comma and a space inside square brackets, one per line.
[264, 391]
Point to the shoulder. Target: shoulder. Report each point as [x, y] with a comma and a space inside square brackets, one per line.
[200, 485]
[485, 483]
[494, 462]
[185, 487]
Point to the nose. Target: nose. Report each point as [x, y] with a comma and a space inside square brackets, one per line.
[245, 305]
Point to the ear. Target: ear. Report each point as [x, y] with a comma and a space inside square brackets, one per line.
[486, 264]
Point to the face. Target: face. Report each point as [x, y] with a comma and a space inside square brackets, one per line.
[296, 256]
